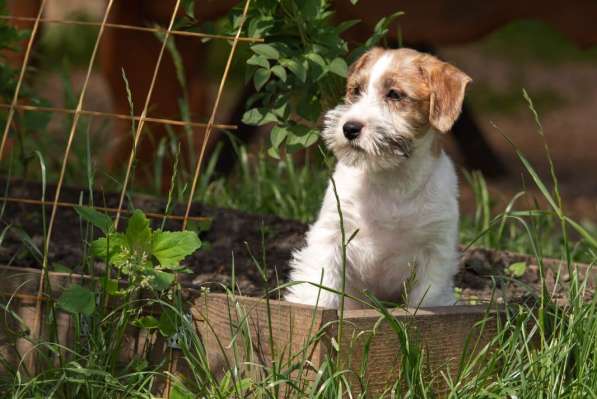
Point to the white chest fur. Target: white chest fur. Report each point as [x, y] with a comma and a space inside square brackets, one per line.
[404, 230]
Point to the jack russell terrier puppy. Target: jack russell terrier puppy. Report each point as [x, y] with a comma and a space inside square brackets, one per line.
[395, 184]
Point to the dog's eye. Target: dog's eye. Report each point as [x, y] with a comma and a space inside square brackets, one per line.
[355, 91]
[394, 95]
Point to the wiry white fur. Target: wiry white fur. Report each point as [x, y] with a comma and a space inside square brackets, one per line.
[403, 204]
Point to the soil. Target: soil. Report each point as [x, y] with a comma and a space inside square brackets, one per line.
[237, 238]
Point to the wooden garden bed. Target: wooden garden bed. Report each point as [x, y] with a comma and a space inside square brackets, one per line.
[285, 333]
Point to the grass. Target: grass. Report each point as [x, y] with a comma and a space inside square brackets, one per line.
[545, 351]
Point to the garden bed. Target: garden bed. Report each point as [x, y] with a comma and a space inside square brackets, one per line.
[228, 237]
[279, 331]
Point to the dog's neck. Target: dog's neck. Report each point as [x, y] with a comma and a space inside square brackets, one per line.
[408, 178]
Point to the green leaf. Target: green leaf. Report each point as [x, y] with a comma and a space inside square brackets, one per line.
[98, 219]
[77, 299]
[339, 67]
[170, 247]
[116, 241]
[261, 77]
[138, 232]
[258, 117]
[179, 391]
[252, 117]
[162, 280]
[148, 322]
[278, 135]
[167, 322]
[280, 72]
[297, 68]
[345, 25]
[258, 60]
[273, 152]
[305, 139]
[266, 50]
[517, 269]
[317, 59]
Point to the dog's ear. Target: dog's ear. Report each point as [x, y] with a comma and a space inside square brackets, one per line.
[447, 85]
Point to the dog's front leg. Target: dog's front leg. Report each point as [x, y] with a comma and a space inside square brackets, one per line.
[433, 280]
[317, 265]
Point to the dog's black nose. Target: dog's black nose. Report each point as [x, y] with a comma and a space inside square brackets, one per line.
[352, 129]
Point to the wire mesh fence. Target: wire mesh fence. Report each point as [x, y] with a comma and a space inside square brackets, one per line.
[138, 122]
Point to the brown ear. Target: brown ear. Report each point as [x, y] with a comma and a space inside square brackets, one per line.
[447, 84]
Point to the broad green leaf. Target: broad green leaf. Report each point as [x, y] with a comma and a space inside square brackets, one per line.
[318, 68]
[261, 77]
[138, 232]
[179, 391]
[297, 68]
[273, 152]
[517, 269]
[167, 324]
[252, 117]
[306, 139]
[77, 299]
[116, 241]
[278, 135]
[259, 117]
[280, 72]
[171, 247]
[98, 219]
[258, 60]
[339, 67]
[148, 322]
[162, 280]
[281, 110]
[266, 50]
[316, 58]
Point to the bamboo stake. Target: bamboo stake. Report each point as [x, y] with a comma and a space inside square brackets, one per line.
[134, 28]
[144, 113]
[210, 124]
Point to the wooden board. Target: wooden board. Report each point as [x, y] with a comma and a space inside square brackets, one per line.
[279, 331]
[444, 335]
[441, 335]
[18, 290]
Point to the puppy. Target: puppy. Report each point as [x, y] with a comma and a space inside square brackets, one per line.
[395, 184]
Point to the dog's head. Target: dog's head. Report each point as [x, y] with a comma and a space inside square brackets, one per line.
[394, 99]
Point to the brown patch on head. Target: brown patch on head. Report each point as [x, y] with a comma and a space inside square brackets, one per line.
[419, 88]
[359, 71]
[431, 90]
[405, 89]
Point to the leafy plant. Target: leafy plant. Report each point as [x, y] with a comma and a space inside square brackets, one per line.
[300, 70]
[148, 258]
